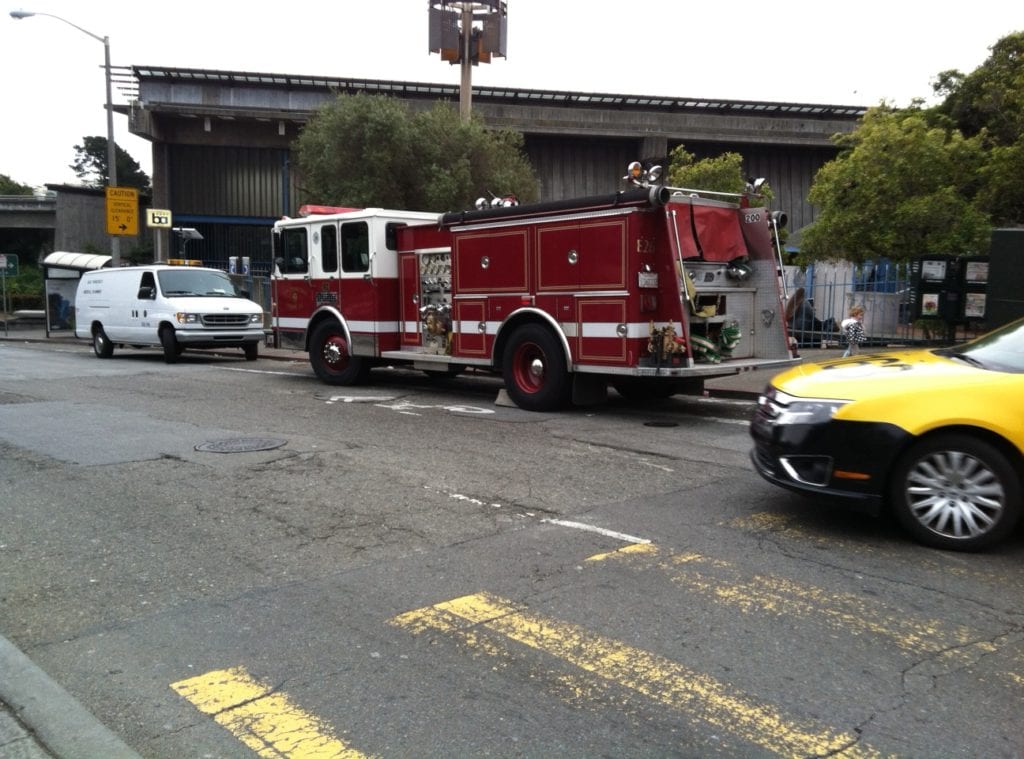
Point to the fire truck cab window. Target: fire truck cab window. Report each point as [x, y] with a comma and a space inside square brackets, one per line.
[355, 246]
[329, 248]
[293, 253]
[391, 235]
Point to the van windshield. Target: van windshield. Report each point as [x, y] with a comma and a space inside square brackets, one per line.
[196, 282]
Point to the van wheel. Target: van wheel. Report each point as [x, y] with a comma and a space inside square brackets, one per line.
[331, 357]
[170, 345]
[252, 351]
[101, 344]
[534, 368]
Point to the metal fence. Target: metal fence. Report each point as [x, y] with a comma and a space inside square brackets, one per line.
[884, 290]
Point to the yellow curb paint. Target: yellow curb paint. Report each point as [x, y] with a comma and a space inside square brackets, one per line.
[662, 680]
[264, 720]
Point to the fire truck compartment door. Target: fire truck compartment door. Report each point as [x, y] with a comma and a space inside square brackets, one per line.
[588, 255]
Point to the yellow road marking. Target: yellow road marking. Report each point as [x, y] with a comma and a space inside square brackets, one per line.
[265, 721]
[781, 597]
[654, 676]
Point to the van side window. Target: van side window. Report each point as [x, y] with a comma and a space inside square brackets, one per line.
[329, 248]
[147, 286]
[293, 255]
[355, 246]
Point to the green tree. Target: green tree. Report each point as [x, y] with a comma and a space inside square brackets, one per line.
[989, 103]
[722, 173]
[370, 150]
[90, 165]
[991, 98]
[1002, 191]
[10, 187]
[901, 187]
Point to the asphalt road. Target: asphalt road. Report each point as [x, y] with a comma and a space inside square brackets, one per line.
[220, 557]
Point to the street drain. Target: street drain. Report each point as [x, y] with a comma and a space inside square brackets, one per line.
[241, 445]
[659, 423]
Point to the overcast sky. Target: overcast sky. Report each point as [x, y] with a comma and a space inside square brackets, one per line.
[805, 51]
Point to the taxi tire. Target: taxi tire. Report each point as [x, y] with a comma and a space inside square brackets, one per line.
[937, 464]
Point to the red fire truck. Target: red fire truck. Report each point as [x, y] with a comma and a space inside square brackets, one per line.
[651, 290]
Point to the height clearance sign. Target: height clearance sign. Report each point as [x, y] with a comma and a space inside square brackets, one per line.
[122, 211]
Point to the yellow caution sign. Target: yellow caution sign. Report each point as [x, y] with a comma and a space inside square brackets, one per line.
[122, 211]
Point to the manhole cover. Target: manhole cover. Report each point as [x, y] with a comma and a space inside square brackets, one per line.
[658, 423]
[241, 445]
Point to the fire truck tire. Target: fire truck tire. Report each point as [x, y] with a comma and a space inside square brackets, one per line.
[534, 368]
[170, 345]
[331, 359]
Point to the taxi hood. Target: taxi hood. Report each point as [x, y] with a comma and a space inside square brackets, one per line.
[870, 375]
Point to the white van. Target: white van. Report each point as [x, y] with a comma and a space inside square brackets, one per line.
[174, 307]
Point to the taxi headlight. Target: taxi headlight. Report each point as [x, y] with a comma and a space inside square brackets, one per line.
[184, 318]
[781, 408]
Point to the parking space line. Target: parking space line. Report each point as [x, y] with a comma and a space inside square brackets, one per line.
[264, 720]
[781, 597]
[599, 530]
[697, 695]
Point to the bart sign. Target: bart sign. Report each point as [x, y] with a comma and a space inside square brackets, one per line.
[122, 211]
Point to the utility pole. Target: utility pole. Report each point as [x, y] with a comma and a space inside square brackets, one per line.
[453, 35]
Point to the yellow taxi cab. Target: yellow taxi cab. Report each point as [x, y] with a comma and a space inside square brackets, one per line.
[936, 435]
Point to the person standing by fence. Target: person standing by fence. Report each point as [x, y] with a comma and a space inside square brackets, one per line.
[803, 324]
[852, 330]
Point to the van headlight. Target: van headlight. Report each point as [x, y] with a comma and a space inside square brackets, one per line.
[781, 408]
[184, 318]
[256, 319]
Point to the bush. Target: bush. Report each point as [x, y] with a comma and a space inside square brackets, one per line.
[25, 290]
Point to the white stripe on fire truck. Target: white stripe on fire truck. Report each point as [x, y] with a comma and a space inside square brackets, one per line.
[634, 330]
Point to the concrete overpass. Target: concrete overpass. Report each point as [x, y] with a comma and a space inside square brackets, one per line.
[221, 141]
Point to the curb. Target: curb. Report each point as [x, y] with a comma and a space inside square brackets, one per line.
[51, 715]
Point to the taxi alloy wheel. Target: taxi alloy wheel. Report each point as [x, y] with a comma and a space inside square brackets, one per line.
[956, 492]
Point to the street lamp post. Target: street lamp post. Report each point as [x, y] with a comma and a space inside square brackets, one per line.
[115, 241]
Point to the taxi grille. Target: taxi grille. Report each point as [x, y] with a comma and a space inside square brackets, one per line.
[225, 320]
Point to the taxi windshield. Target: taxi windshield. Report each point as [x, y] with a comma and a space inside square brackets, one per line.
[196, 282]
[1001, 350]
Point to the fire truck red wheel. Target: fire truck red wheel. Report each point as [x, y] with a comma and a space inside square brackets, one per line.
[534, 369]
[331, 359]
